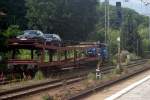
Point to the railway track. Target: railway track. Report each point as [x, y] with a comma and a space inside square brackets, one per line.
[100, 86]
[5, 81]
[31, 89]
[14, 93]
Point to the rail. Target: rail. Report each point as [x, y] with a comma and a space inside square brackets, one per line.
[14, 93]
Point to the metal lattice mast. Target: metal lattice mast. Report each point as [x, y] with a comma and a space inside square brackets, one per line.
[105, 21]
[108, 24]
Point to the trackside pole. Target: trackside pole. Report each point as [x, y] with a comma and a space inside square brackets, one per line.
[98, 71]
[98, 74]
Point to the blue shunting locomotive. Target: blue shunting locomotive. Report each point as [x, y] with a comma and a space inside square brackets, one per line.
[91, 52]
[102, 52]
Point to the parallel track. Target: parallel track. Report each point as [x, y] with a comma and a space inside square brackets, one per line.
[15, 93]
[90, 90]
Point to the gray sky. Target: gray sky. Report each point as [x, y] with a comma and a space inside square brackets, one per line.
[137, 5]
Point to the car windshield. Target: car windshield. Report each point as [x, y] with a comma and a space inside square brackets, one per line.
[32, 32]
[52, 37]
[48, 35]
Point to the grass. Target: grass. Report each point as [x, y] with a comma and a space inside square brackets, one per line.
[25, 54]
[91, 76]
[47, 97]
[39, 75]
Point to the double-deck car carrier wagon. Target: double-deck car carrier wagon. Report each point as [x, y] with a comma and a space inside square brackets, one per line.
[57, 56]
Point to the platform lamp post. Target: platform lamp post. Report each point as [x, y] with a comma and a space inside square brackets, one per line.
[1, 15]
[0, 57]
[119, 59]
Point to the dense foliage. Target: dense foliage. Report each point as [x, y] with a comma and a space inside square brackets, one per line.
[77, 20]
[72, 19]
[133, 31]
[15, 13]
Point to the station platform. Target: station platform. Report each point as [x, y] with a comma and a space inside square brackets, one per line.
[137, 91]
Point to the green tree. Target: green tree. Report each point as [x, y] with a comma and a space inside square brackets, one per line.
[12, 31]
[15, 13]
[132, 26]
[72, 19]
[131, 38]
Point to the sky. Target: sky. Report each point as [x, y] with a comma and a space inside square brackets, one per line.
[137, 5]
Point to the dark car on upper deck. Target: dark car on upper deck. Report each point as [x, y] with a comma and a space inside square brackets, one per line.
[53, 39]
[31, 34]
